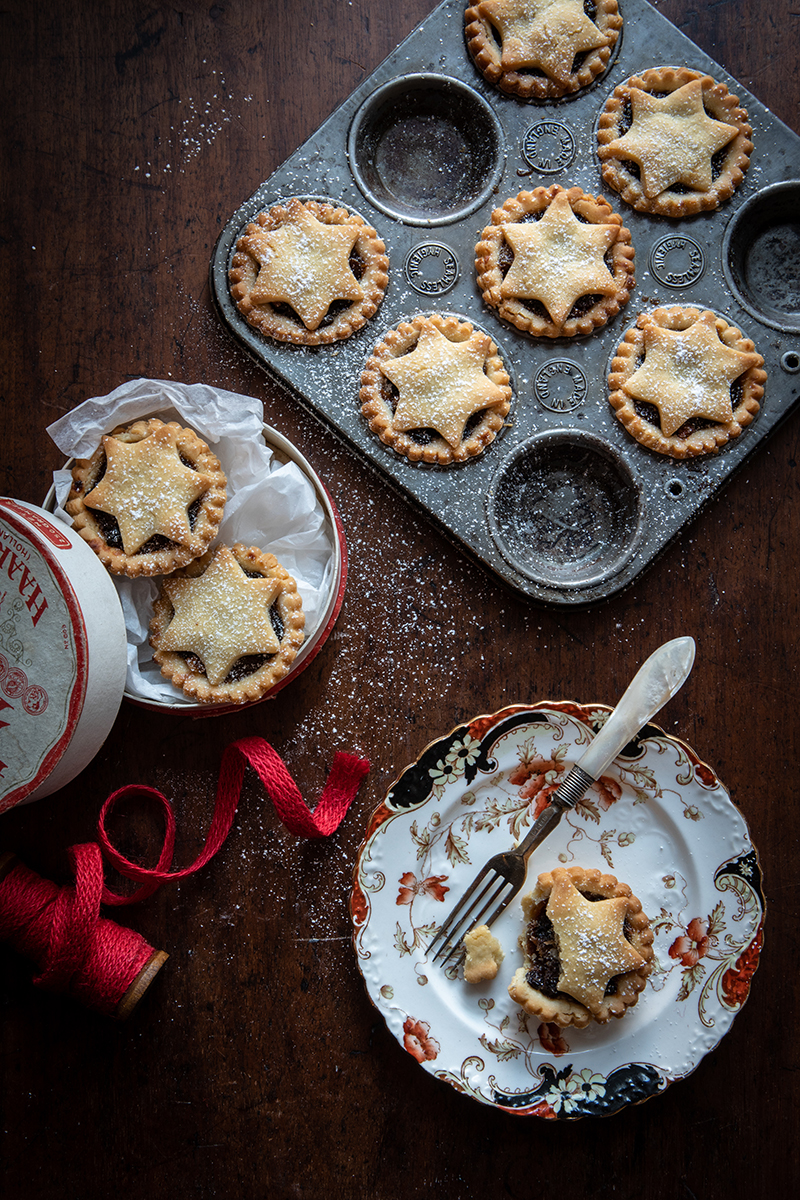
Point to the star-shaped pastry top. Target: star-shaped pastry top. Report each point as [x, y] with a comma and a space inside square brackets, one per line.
[592, 947]
[688, 373]
[304, 263]
[221, 616]
[542, 33]
[672, 139]
[441, 384]
[148, 488]
[558, 259]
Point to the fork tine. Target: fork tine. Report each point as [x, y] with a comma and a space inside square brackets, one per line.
[454, 919]
[468, 912]
[472, 915]
[504, 903]
[470, 918]
[481, 918]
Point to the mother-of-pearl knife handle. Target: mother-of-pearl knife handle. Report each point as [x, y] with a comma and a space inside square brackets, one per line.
[649, 690]
[656, 681]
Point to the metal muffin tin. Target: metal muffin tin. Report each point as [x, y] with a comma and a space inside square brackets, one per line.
[564, 506]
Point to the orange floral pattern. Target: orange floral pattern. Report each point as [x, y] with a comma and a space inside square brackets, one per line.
[410, 887]
[417, 1040]
[693, 945]
[537, 779]
[551, 1039]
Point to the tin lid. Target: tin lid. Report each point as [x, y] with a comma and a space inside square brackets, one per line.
[62, 653]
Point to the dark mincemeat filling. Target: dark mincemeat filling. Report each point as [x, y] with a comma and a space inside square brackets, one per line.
[109, 528]
[649, 413]
[542, 952]
[247, 665]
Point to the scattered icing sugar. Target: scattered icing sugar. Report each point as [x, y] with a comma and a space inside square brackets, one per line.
[202, 121]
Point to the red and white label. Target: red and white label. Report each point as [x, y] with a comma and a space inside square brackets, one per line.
[43, 653]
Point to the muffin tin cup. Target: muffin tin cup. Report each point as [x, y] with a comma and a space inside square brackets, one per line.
[367, 156]
[761, 255]
[426, 149]
[566, 509]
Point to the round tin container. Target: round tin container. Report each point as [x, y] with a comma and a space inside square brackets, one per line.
[62, 653]
[284, 451]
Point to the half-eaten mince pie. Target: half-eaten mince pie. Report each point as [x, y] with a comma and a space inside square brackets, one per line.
[587, 946]
[150, 499]
[229, 626]
[673, 141]
[435, 390]
[542, 49]
[555, 262]
[684, 382]
[308, 272]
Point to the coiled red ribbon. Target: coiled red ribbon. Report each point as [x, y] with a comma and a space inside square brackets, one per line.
[103, 965]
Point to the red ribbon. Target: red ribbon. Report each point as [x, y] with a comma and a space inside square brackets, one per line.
[340, 788]
[97, 961]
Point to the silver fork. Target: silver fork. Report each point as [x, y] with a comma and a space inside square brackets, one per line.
[502, 877]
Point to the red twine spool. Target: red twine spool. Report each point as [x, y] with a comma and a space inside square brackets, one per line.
[97, 962]
[101, 964]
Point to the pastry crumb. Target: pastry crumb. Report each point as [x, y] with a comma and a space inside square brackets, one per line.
[484, 955]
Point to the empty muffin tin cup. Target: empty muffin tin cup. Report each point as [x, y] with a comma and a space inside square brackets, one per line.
[566, 510]
[426, 149]
[761, 255]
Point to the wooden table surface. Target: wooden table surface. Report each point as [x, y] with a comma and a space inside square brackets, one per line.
[256, 1064]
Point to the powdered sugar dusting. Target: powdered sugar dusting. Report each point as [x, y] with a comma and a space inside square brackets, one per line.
[199, 122]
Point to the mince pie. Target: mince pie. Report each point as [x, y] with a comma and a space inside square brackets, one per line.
[555, 262]
[150, 499]
[229, 626]
[684, 382]
[673, 142]
[542, 49]
[308, 272]
[587, 946]
[435, 390]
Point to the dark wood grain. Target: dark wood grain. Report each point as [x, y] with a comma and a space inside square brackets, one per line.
[256, 1065]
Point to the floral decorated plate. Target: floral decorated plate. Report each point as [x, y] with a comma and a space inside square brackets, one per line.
[659, 820]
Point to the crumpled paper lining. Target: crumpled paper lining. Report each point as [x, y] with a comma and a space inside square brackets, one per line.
[272, 505]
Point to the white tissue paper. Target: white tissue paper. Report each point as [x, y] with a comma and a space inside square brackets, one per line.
[272, 505]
